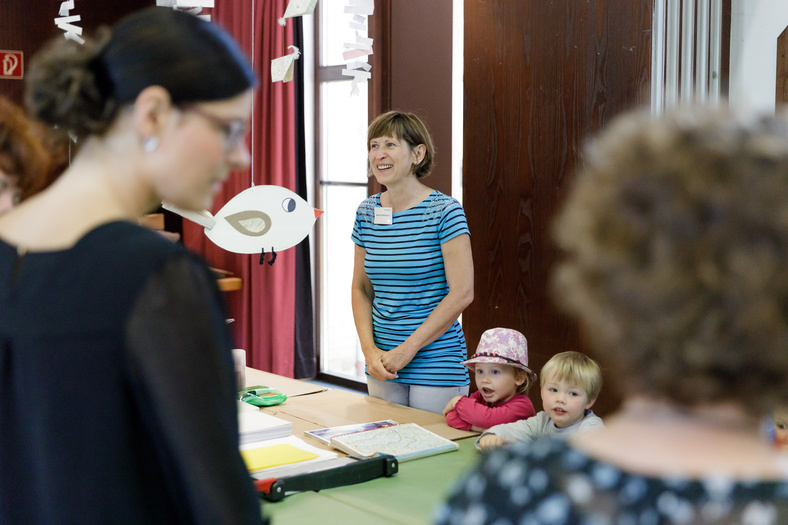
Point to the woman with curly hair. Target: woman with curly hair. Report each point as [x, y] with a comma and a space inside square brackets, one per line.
[117, 394]
[24, 162]
[675, 242]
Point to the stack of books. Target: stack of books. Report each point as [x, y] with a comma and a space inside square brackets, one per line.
[267, 446]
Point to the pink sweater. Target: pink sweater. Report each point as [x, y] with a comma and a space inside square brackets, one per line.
[474, 411]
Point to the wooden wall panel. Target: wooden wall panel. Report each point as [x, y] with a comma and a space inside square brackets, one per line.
[540, 77]
[421, 69]
[26, 25]
[412, 71]
[781, 91]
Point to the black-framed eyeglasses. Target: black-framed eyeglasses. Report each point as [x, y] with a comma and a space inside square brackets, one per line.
[234, 130]
[16, 193]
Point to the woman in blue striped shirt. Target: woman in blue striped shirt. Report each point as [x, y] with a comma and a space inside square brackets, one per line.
[413, 273]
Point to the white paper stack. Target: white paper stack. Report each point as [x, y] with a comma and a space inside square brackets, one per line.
[255, 425]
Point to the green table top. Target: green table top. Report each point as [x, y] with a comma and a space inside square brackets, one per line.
[410, 497]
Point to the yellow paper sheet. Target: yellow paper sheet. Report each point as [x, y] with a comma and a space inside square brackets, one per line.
[274, 456]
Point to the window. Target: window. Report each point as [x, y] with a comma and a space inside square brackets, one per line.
[341, 175]
[341, 167]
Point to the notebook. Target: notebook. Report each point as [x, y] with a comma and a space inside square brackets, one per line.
[406, 441]
[268, 456]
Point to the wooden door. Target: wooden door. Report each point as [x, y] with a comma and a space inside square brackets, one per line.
[540, 77]
[781, 91]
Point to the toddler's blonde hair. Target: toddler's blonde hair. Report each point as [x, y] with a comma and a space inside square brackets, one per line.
[576, 368]
[519, 373]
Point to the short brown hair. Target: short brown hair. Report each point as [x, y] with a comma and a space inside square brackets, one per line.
[675, 242]
[22, 155]
[410, 128]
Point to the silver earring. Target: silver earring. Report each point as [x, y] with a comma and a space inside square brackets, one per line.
[150, 144]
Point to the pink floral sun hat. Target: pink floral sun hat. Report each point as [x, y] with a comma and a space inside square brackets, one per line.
[504, 346]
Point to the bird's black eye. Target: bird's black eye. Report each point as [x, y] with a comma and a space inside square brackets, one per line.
[289, 204]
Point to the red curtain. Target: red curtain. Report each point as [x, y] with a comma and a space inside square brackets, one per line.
[264, 308]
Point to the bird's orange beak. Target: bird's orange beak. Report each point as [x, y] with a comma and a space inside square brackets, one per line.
[318, 213]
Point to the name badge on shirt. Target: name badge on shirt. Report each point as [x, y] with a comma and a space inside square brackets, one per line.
[382, 215]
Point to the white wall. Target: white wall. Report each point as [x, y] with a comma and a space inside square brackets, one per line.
[755, 26]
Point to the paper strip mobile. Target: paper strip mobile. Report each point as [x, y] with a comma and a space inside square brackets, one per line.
[193, 7]
[188, 4]
[362, 47]
[64, 22]
[359, 22]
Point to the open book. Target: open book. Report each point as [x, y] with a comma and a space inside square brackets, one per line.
[406, 441]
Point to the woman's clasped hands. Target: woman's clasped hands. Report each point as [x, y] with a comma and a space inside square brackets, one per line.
[383, 365]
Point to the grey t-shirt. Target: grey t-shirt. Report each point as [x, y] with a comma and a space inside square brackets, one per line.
[540, 425]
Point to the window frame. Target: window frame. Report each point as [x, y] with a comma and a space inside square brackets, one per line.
[379, 101]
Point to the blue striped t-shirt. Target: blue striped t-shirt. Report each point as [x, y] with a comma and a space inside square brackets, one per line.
[405, 265]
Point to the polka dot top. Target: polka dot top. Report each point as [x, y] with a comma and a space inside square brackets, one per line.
[550, 483]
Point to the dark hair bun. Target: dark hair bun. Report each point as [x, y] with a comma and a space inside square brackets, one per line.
[81, 87]
[64, 89]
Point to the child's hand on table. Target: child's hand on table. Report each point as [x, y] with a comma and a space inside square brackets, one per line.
[451, 404]
[491, 441]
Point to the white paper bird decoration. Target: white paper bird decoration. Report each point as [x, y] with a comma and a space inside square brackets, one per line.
[258, 220]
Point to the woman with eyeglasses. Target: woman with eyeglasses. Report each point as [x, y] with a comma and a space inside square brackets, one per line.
[24, 162]
[117, 394]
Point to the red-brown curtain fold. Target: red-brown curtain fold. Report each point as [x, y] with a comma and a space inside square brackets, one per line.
[264, 308]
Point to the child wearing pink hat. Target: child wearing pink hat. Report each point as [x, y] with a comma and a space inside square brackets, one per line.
[500, 367]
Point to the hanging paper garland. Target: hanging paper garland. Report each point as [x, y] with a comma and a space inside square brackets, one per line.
[297, 8]
[65, 22]
[193, 7]
[282, 67]
[362, 47]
